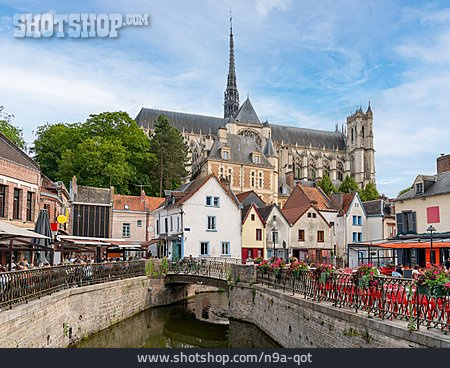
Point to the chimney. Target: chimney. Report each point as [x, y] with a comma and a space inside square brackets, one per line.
[222, 133]
[443, 163]
[290, 179]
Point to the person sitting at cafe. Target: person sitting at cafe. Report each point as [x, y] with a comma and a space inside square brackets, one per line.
[399, 269]
[416, 272]
[447, 264]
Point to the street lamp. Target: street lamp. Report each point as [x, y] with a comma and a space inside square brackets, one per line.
[274, 238]
[431, 229]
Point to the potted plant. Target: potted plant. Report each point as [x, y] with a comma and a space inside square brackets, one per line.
[277, 266]
[263, 266]
[297, 267]
[324, 272]
[258, 260]
[365, 276]
[434, 282]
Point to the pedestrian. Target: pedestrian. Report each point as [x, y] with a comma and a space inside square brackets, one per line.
[447, 264]
[399, 269]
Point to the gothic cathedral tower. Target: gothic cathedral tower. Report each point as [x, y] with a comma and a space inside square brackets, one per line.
[360, 148]
[231, 103]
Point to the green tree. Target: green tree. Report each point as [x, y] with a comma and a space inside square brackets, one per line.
[99, 162]
[370, 192]
[403, 191]
[349, 185]
[170, 149]
[327, 185]
[107, 149]
[13, 133]
[51, 142]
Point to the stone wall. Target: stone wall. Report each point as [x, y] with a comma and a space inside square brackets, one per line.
[71, 315]
[293, 321]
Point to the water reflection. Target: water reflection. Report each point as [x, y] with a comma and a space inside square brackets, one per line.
[198, 322]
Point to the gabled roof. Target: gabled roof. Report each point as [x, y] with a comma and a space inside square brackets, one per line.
[292, 215]
[438, 184]
[247, 209]
[10, 152]
[186, 191]
[302, 196]
[343, 201]
[247, 198]
[247, 114]
[266, 211]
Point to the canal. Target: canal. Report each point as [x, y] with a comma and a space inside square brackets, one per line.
[201, 321]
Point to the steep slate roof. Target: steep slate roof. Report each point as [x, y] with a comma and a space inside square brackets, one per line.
[280, 133]
[343, 200]
[247, 198]
[10, 152]
[302, 196]
[92, 195]
[306, 137]
[374, 208]
[182, 121]
[247, 114]
[440, 184]
[269, 149]
[241, 148]
[246, 210]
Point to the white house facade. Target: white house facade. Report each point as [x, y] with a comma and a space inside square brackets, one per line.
[200, 219]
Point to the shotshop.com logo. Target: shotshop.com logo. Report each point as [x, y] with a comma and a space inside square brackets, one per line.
[74, 25]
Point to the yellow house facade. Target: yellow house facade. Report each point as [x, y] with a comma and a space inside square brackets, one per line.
[253, 234]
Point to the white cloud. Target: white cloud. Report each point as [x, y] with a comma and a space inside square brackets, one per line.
[264, 7]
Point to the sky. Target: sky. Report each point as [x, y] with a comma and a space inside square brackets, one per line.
[303, 63]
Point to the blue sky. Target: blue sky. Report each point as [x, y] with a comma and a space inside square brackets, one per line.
[304, 63]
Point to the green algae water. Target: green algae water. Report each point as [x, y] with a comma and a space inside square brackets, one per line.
[200, 322]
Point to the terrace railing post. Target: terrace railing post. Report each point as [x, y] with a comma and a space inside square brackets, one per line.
[417, 308]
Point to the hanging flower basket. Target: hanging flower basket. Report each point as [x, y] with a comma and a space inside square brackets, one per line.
[434, 282]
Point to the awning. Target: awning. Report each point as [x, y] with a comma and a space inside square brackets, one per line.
[8, 230]
[412, 245]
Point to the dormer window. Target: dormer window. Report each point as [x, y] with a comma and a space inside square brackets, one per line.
[225, 154]
[419, 188]
[256, 158]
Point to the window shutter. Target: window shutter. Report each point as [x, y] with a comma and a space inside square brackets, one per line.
[400, 224]
[413, 223]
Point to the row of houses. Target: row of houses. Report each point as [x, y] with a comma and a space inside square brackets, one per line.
[205, 218]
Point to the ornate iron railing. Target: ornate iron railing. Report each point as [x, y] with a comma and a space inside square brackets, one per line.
[21, 286]
[219, 268]
[385, 298]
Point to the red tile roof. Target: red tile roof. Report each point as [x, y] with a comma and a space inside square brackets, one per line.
[136, 203]
[293, 214]
[343, 201]
[302, 196]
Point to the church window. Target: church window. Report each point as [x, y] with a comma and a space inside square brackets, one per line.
[252, 134]
[362, 132]
[340, 176]
[352, 134]
[298, 173]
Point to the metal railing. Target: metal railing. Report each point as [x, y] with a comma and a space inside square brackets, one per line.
[219, 268]
[385, 298]
[21, 286]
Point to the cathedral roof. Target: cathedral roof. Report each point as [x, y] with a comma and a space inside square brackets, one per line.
[280, 133]
[305, 137]
[241, 148]
[182, 121]
[247, 113]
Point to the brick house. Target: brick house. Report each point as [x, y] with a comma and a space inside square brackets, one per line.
[19, 187]
[55, 198]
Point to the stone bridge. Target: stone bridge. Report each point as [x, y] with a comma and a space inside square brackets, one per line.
[204, 271]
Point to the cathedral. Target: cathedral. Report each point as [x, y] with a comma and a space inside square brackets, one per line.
[268, 158]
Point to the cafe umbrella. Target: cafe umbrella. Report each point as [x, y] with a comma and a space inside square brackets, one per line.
[43, 227]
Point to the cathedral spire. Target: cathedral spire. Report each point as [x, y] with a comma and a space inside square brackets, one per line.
[231, 103]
